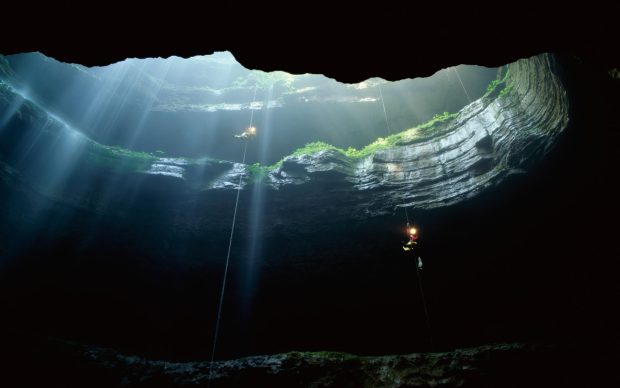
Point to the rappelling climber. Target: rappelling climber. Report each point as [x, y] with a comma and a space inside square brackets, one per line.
[412, 243]
[249, 133]
[413, 239]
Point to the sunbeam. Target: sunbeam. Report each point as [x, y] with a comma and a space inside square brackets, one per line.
[119, 184]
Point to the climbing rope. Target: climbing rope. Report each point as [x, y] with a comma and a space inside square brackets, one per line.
[461, 81]
[230, 240]
[387, 126]
[387, 123]
[427, 317]
[406, 213]
[418, 269]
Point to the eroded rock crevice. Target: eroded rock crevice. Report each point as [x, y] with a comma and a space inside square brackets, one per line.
[499, 134]
[505, 132]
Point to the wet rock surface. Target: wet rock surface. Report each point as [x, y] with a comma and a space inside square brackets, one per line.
[489, 140]
[133, 260]
[508, 365]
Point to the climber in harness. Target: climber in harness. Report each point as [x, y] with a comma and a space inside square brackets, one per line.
[413, 239]
[249, 133]
[412, 243]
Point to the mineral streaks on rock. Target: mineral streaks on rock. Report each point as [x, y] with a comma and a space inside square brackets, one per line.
[503, 133]
[489, 139]
[493, 137]
[168, 166]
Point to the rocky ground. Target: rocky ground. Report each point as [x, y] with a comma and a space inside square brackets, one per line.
[61, 363]
[131, 286]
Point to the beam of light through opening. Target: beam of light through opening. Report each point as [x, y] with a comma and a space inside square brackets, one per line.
[256, 216]
[232, 233]
[461, 81]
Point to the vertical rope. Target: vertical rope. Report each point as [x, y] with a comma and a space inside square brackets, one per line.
[230, 240]
[428, 320]
[461, 81]
[426, 315]
[387, 126]
[387, 123]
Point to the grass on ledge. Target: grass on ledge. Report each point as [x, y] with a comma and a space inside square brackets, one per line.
[506, 83]
[425, 130]
[118, 158]
[420, 132]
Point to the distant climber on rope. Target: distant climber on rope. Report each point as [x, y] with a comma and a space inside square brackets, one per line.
[249, 133]
[412, 243]
[413, 239]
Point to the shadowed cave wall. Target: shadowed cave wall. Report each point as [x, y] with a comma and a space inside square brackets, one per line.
[531, 259]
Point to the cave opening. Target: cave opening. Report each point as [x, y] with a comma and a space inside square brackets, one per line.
[105, 142]
[190, 107]
[115, 238]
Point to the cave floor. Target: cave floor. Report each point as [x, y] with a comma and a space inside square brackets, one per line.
[55, 362]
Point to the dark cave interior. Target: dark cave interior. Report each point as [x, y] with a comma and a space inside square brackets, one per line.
[532, 260]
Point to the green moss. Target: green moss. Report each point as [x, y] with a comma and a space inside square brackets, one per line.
[420, 132]
[507, 89]
[258, 171]
[118, 158]
[91, 152]
[491, 86]
[424, 131]
[313, 148]
[500, 86]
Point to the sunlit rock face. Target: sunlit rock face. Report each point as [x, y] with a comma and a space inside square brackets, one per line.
[191, 107]
[501, 134]
[498, 135]
[505, 132]
[490, 139]
[138, 240]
